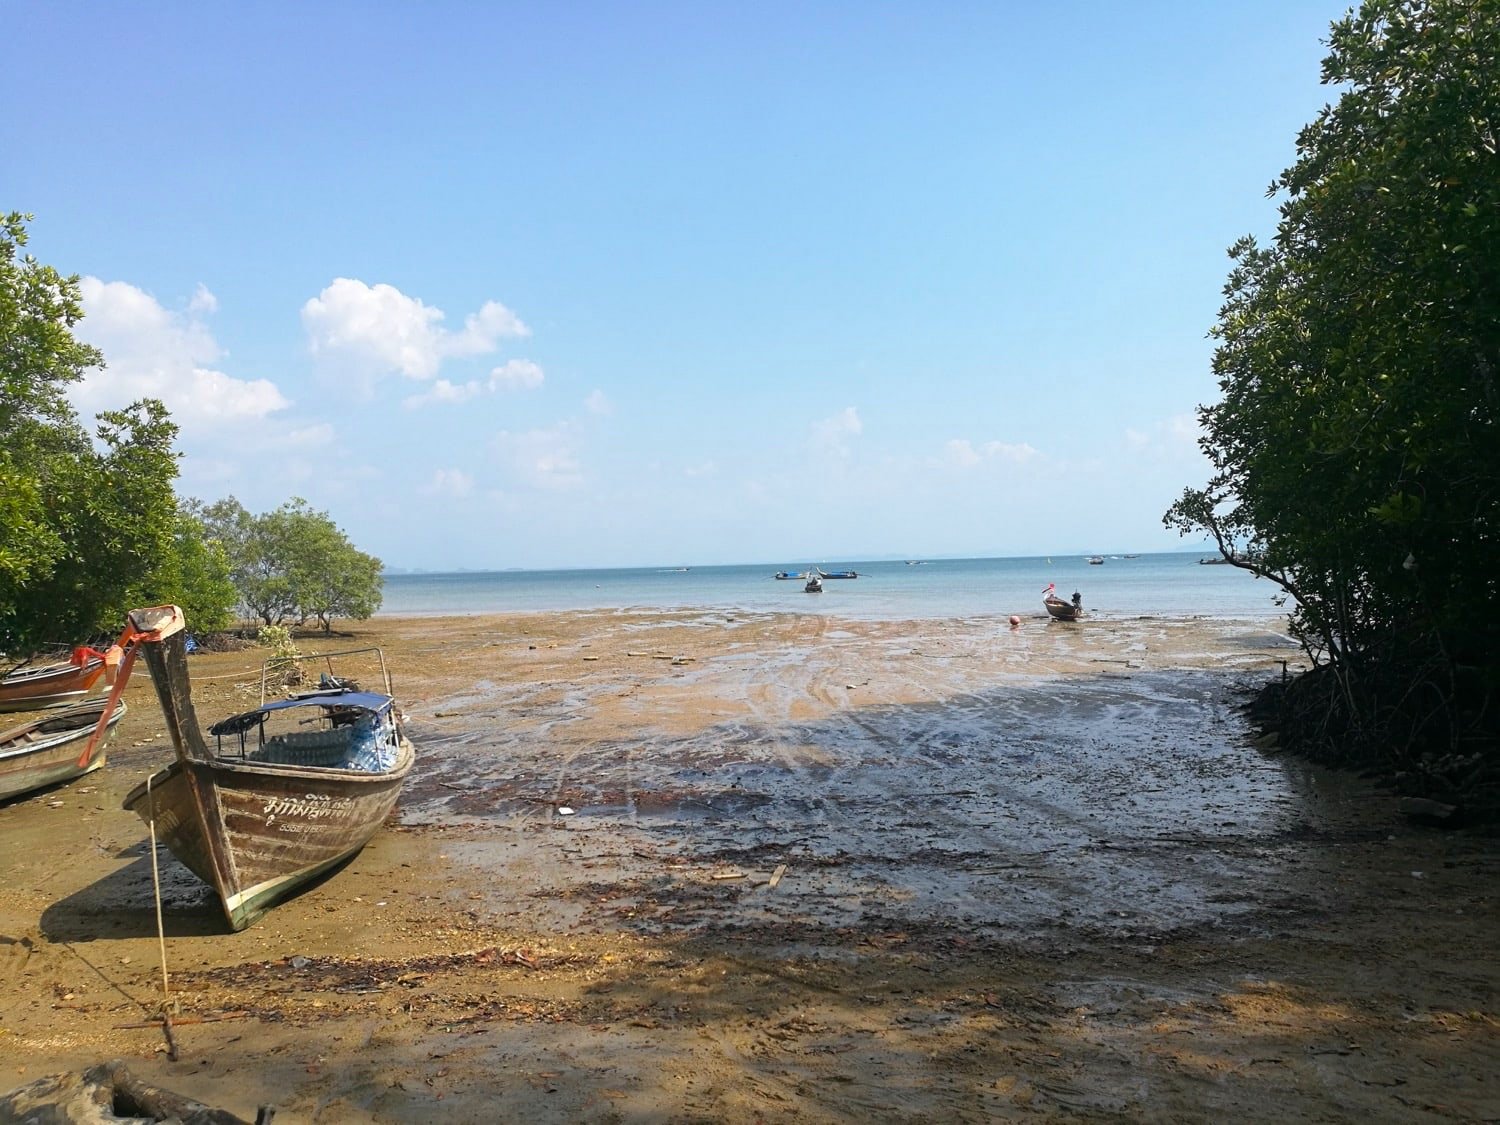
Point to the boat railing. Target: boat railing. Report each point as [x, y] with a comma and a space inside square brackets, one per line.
[281, 663]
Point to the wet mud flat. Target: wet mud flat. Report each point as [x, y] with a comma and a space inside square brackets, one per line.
[809, 868]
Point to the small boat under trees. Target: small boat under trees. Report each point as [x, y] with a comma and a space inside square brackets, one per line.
[51, 685]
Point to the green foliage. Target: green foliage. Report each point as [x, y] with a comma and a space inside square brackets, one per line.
[85, 524]
[38, 353]
[285, 662]
[278, 638]
[194, 574]
[1356, 449]
[38, 357]
[294, 564]
[256, 560]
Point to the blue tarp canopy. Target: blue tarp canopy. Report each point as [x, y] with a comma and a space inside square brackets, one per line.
[369, 700]
[239, 724]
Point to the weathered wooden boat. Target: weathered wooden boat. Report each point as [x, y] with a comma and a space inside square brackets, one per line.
[45, 750]
[288, 791]
[814, 584]
[1059, 609]
[51, 685]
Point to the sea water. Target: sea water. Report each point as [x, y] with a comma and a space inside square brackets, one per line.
[1171, 584]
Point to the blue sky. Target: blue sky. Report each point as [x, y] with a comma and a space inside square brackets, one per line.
[638, 284]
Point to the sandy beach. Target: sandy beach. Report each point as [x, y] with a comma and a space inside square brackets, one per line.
[815, 869]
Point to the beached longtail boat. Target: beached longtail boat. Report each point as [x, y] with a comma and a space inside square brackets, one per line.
[50, 685]
[44, 750]
[1059, 609]
[261, 816]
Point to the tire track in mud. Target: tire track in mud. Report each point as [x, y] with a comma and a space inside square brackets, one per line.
[512, 751]
[961, 787]
[773, 715]
[1064, 841]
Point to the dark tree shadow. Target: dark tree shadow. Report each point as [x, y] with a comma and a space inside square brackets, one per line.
[122, 904]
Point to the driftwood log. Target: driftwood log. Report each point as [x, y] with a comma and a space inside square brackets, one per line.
[109, 1094]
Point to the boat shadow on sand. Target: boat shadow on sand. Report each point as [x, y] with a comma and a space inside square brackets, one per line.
[121, 905]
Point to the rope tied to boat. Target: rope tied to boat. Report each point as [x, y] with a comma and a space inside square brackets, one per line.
[161, 932]
[153, 626]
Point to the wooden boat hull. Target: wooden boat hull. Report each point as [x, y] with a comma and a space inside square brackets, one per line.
[253, 830]
[255, 833]
[1063, 611]
[29, 689]
[45, 750]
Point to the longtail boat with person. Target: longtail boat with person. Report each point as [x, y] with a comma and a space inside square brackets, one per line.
[52, 685]
[43, 750]
[287, 791]
[1059, 609]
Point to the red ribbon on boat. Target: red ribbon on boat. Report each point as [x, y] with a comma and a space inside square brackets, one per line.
[130, 642]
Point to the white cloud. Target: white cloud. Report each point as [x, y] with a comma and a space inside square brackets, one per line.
[832, 435]
[1170, 437]
[1006, 451]
[545, 458]
[516, 375]
[961, 453]
[443, 391]
[203, 301]
[310, 437]
[598, 403]
[366, 331]
[484, 330]
[150, 351]
[449, 482]
[1185, 427]
[703, 469]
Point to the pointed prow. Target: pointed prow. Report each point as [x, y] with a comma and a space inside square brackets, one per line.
[143, 626]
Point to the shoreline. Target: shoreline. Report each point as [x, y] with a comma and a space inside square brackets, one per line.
[1160, 584]
[1275, 618]
[1030, 872]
